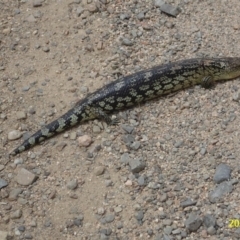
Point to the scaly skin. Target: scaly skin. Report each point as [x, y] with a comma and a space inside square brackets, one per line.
[136, 88]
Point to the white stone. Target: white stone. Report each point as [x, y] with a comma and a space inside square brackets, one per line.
[13, 135]
[84, 141]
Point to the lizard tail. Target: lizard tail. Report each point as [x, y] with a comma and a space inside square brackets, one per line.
[67, 120]
[33, 140]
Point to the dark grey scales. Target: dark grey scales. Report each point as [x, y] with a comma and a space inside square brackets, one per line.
[136, 88]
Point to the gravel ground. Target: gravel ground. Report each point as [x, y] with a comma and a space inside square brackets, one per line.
[170, 170]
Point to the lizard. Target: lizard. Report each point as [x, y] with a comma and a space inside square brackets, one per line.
[136, 88]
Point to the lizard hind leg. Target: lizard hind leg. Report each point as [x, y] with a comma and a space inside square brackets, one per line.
[104, 116]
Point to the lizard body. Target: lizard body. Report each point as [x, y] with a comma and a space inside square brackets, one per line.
[136, 88]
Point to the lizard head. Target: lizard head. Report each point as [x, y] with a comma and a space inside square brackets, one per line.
[230, 68]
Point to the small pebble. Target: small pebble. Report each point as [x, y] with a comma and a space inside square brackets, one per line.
[96, 129]
[16, 214]
[124, 16]
[100, 211]
[13, 135]
[73, 135]
[139, 215]
[1, 167]
[79, 11]
[141, 16]
[99, 170]
[135, 145]
[26, 88]
[125, 158]
[108, 183]
[211, 230]
[46, 49]
[84, 141]
[109, 218]
[92, 8]
[236, 96]
[141, 180]
[188, 202]
[127, 128]
[128, 183]
[31, 19]
[169, 9]
[117, 209]
[72, 184]
[24, 177]
[127, 42]
[37, 3]
[13, 195]
[193, 222]
[136, 165]
[3, 183]
[159, 3]
[21, 115]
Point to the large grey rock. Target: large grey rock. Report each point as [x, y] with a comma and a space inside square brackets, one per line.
[220, 191]
[193, 222]
[223, 173]
[209, 220]
[169, 9]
